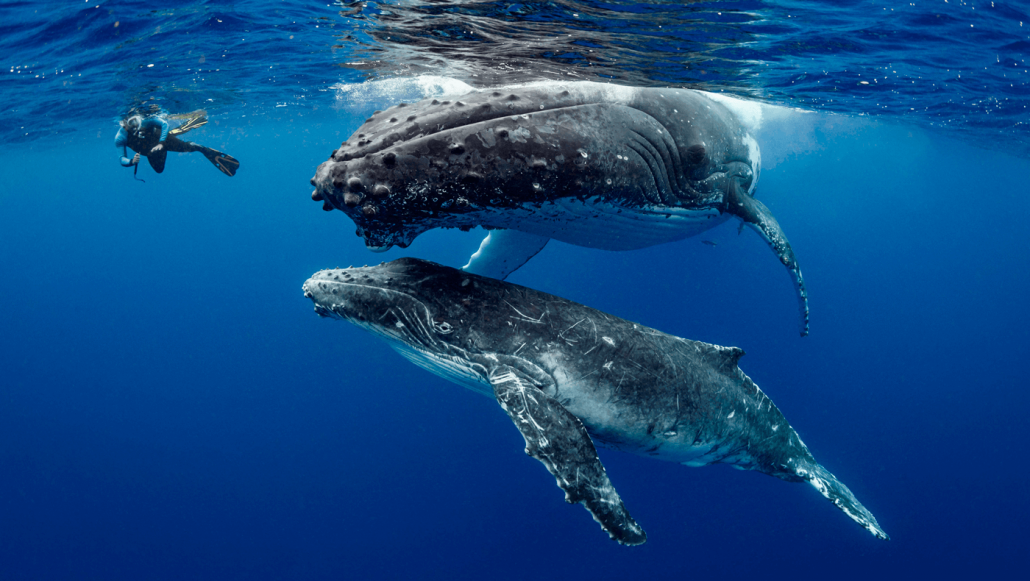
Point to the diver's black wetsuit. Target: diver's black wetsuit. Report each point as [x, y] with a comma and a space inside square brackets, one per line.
[147, 137]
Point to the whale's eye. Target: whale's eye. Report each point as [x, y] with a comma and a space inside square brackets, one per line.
[444, 328]
[696, 154]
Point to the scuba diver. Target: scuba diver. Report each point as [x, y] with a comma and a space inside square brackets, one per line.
[149, 136]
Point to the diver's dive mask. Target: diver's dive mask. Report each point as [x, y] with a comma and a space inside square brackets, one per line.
[132, 124]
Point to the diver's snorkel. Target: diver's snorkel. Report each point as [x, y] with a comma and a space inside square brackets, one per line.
[132, 127]
[135, 166]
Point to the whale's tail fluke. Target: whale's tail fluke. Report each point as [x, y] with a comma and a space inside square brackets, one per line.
[834, 490]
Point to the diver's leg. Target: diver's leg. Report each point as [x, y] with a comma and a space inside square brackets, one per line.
[157, 159]
[173, 143]
[225, 163]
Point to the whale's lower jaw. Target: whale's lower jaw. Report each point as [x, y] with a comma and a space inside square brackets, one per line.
[454, 369]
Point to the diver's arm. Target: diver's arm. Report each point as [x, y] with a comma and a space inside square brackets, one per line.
[164, 129]
[121, 140]
[157, 121]
[126, 162]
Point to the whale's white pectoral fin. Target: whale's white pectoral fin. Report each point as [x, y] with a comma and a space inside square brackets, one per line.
[841, 497]
[558, 439]
[502, 252]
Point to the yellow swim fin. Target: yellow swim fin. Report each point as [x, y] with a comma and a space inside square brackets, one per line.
[196, 119]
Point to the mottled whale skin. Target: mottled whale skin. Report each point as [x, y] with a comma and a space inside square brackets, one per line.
[590, 164]
[569, 375]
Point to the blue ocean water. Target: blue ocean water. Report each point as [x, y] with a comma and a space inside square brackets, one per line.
[171, 407]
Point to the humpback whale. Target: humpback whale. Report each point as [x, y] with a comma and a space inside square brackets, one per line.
[569, 376]
[590, 164]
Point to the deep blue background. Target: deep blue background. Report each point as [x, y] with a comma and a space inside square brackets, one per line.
[171, 407]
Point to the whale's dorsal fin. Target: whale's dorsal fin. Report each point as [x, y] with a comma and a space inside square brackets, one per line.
[502, 252]
[730, 357]
[558, 439]
[722, 358]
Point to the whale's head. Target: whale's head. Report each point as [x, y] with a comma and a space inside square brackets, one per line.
[413, 301]
[431, 314]
[446, 162]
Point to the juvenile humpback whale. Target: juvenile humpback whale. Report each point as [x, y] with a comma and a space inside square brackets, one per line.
[591, 164]
[568, 375]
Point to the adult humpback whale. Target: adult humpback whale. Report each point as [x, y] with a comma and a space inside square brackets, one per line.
[590, 164]
[567, 374]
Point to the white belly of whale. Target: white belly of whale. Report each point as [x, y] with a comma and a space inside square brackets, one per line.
[596, 224]
[626, 430]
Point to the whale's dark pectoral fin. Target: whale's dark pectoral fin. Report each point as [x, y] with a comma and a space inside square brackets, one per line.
[502, 252]
[558, 439]
[755, 214]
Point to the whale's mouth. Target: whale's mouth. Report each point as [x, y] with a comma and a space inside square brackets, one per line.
[383, 239]
[382, 244]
